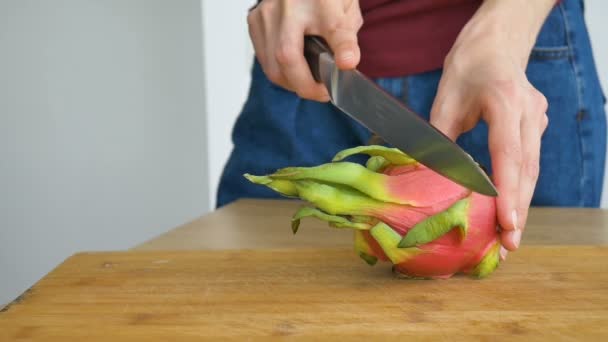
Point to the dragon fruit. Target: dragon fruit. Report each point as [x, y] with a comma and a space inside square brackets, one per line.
[423, 223]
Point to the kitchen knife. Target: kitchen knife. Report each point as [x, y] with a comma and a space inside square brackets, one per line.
[359, 97]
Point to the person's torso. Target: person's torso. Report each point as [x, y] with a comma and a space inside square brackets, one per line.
[403, 37]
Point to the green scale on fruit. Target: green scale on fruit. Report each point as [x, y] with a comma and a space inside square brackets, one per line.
[423, 223]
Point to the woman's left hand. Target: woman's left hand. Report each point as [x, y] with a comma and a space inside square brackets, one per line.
[484, 78]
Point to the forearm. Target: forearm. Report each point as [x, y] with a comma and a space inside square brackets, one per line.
[510, 24]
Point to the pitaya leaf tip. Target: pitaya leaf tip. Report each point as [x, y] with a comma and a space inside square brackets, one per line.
[392, 155]
[489, 262]
[388, 239]
[262, 180]
[363, 248]
[284, 187]
[376, 163]
[295, 225]
[369, 259]
[335, 220]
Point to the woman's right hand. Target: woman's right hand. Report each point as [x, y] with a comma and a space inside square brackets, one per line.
[277, 29]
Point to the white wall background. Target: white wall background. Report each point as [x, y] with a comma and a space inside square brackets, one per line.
[103, 134]
[102, 128]
[595, 13]
[228, 59]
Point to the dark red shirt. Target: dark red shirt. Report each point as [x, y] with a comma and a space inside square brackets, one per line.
[403, 37]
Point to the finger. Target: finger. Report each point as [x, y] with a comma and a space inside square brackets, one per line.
[445, 111]
[444, 117]
[266, 26]
[531, 132]
[354, 19]
[256, 33]
[510, 239]
[505, 150]
[292, 64]
[533, 124]
[503, 253]
[341, 35]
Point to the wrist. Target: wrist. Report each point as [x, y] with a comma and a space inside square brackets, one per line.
[511, 26]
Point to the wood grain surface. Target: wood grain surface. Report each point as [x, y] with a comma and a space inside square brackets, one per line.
[259, 224]
[540, 293]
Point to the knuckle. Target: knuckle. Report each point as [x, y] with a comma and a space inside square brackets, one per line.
[286, 53]
[274, 75]
[251, 19]
[449, 61]
[544, 121]
[261, 57]
[539, 101]
[267, 9]
[283, 4]
[331, 26]
[358, 21]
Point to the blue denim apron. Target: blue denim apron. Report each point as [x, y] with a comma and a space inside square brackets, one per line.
[277, 129]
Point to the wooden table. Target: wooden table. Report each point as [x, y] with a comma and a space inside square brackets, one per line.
[240, 274]
[261, 224]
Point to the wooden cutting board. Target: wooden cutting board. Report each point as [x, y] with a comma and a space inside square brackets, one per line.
[540, 293]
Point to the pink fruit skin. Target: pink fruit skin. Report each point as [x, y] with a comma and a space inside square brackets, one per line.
[448, 254]
[433, 193]
[428, 189]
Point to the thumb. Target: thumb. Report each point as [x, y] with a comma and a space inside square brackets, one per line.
[443, 118]
[343, 42]
[340, 31]
[339, 25]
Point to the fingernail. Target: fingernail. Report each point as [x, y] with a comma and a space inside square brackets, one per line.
[514, 219]
[516, 237]
[347, 56]
[503, 253]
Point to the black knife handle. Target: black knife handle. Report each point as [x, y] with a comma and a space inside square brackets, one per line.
[314, 46]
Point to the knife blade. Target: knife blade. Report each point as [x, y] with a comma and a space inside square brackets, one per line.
[359, 97]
